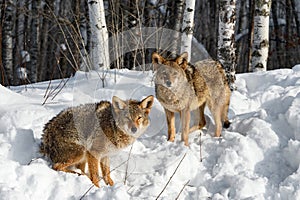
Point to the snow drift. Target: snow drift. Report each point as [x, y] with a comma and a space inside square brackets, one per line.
[257, 157]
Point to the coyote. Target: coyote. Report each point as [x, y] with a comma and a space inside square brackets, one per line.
[90, 133]
[183, 87]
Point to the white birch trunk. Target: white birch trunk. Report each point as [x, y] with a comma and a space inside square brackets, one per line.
[7, 42]
[99, 48]
[188, 27]
[226, 39]
[260, 48]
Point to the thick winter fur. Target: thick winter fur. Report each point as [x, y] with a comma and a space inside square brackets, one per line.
[90, 133]
[182, 87]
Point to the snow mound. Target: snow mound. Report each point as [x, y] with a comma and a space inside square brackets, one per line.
[257, 157]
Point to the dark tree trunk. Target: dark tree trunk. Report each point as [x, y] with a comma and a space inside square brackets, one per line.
[214, 19]
[2, 70]
[176, 11]
[288, 32]
[250, 33]
[45, 54]
[34, 41]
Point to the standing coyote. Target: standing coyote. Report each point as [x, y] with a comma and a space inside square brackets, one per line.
[182, 87]
[90, 133]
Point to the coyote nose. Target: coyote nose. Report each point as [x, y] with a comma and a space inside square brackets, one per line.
[168, 82]
[133, 129]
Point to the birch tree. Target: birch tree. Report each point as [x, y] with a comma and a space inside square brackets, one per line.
[7, 42]
[260, 48]
[226, 40]
[188, 27]
[99, 53]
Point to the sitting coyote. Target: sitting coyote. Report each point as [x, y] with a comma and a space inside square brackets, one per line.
[182, 87]
[90, 133]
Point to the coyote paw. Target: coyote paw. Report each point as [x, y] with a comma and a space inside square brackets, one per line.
[109, 181]
[186, 143]
[226, 124]
[96, 182]
[172, 139]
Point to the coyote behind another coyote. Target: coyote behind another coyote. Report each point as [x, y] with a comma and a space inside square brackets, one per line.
[182, 87]
[91, 132]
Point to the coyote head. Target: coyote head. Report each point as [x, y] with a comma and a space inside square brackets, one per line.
[169, 72]
[132, 116]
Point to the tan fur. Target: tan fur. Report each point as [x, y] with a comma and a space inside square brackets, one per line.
[90, 133]
[182, 87]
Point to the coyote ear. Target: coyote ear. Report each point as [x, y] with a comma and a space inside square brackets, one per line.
[157, 59]
[182, 60]
[147, 103]
[118, 103]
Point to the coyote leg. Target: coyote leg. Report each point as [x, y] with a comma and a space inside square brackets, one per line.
[194, 128]
[171, 125]
[105, 167]
[217, 117]
[93, 165]
[81, 166]
[65, 166]
[199, 119]
[226, 123]
[185, 122]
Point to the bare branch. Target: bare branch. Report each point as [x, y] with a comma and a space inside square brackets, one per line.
[127, 164]
[182, 189]
[171, 177]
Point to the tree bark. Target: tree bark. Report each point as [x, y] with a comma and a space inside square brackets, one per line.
[2, 70]
[288, 32]
[260, 48]
[46, 23]
[250, 32]
[296, 14]
[274, 9]
[213, 26]
[7, 43]
[188, 28]
[99, 50]
[20, 43]
[34, 41]
[226, 39]
[175, 10]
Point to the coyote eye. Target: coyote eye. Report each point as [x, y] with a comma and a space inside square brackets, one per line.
[140, 118]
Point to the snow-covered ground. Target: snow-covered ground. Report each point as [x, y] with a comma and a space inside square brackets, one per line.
[258, 157]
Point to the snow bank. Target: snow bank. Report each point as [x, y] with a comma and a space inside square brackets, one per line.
[257, 157]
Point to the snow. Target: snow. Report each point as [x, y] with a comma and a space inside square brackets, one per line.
[257, 157]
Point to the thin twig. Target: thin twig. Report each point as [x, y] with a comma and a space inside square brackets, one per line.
[48, 88]
[87, 192]
[65, 82]
[127, 164]
[182, 189]
[52, 92]
[171, 177]
[32, 160]
[200, 147]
